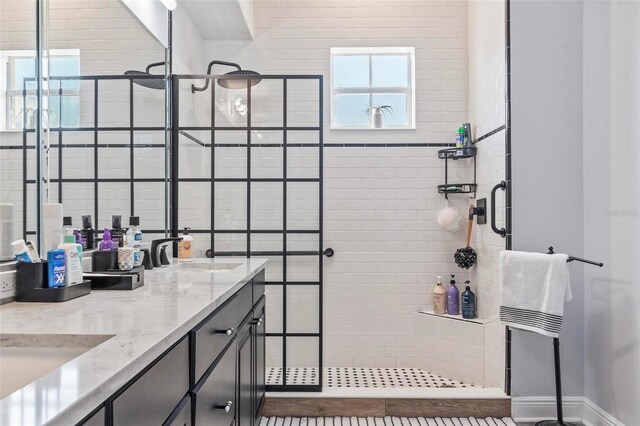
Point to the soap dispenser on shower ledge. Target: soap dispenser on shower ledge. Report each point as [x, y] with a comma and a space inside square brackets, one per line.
[453, 298]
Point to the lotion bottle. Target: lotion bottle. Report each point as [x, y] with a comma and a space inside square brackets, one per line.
[453, 298]
[72, 259]
[184, 246]
[468, 302]
[439, 298]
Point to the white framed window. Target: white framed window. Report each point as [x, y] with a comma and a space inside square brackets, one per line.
[18, 65]
[365, 78]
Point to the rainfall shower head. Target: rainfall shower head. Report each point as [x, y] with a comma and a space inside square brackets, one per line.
[151, 83]
[241, 79]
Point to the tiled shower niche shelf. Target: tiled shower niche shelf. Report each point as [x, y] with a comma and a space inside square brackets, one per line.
[457, 153]
[481, 321]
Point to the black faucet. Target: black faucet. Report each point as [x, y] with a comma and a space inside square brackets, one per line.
[155, 253]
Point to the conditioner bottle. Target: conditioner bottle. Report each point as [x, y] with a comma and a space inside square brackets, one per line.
[439, 298]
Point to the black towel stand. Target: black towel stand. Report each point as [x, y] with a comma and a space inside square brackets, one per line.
[556, 358]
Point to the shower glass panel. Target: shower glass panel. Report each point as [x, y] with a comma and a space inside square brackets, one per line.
[249, 168]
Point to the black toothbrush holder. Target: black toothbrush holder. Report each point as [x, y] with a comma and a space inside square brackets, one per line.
[32, 285]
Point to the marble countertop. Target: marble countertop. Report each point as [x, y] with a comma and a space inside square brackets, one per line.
[138, 326]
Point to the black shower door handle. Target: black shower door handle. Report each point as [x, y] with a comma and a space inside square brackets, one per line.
[502, 232]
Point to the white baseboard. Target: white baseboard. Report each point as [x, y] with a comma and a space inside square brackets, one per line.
[575, 409]
[536, 408]
[596, 416]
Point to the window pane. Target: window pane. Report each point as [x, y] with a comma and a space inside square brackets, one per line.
[16, 113]
[70, 111]
[397, 117]
[61, 67]
[351, 110]
[390, 70]
[23, 67]
[351, 71]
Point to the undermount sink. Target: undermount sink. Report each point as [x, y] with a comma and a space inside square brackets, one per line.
[211, 267]
[25, 358]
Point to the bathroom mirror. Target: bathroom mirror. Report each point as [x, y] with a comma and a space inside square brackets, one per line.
[104, 117]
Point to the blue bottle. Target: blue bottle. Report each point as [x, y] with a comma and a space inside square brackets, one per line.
[468, 302]
[56, 268]
[453, 298]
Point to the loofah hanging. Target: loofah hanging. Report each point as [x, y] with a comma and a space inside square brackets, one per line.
[449, 218]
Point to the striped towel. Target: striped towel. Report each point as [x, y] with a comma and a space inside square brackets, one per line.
[533, 289]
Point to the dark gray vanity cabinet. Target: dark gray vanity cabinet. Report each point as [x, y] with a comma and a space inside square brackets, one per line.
[214, 398]
[213, 376]
[259, 357]
[152, 397]
[244, 414]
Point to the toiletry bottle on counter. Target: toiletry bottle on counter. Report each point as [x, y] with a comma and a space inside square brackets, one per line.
[134, 239]
[184, 246]
[33, 251]
[453, 298]
[21, 252]
[439, 298]
[72, 259]
[87, 233]
[107, 243]
[117, 236]
[468, 302]
[56, 268]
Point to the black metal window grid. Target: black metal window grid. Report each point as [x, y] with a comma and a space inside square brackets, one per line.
[215, 182]
[96, 129]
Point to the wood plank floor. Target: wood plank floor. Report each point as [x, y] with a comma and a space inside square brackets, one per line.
[385, 421]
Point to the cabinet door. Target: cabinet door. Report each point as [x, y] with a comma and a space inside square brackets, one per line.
[259, 338]
[245, 413]
[215, 395]
[153, 396]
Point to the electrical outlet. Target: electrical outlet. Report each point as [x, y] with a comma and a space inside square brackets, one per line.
[87, 264]
[8, 282]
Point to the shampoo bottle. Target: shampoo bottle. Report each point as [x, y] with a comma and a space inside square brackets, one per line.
[439, 298]
[453, 298]
[184, 246]
[116, 231]
[72, 259]
[468, 302]
[134, 239]
[107, 243]
[87, 233]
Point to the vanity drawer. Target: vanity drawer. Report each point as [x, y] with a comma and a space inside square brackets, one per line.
[152, 397]
[258, 286]
[215, 397]
[214, 334]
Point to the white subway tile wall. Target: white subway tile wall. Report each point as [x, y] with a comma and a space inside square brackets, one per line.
[380, 204]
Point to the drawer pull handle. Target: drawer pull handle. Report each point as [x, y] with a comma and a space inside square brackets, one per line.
[227, 407]
[229, 331]
[259, 321]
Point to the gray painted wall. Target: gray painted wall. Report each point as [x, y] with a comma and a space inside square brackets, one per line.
[546, 66]
[612, 206]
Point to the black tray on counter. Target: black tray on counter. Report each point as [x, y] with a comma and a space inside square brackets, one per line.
[32, 285]
[115, 279]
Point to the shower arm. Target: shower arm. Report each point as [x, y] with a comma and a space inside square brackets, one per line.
[195, 89]
[155, 64]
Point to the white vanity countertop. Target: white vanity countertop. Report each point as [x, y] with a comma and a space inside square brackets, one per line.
[144, 323]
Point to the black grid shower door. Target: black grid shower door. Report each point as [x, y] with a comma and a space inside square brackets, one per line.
[230, 155]
[95, 186]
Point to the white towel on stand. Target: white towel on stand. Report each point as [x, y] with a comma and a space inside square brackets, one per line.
[533, 289]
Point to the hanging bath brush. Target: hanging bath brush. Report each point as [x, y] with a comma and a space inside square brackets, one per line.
[466, 257]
